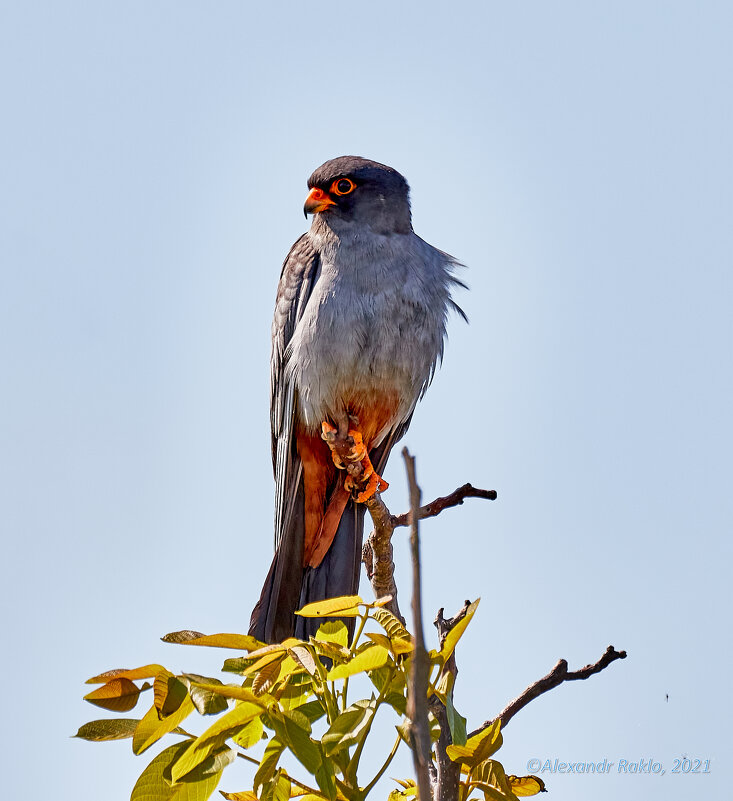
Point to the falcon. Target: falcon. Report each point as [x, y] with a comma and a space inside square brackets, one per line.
[359, 328]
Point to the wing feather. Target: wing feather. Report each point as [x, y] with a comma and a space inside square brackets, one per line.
[297, 279]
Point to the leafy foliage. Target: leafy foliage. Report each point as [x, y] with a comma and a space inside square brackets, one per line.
[293, 696]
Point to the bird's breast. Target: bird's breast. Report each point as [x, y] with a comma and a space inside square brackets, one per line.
[367, 342]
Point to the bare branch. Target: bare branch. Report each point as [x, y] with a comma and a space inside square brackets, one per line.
[420, 669]
[447, 772]
[377, 550]
[554, 678]
[377, 554]
[456, 498]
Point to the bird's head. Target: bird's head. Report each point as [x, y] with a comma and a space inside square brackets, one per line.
[351, 189]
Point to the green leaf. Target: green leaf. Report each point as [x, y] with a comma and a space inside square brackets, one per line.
[479, 747]
[345, 606]
[293, 729]
[237, 664]
[251, 734]
[151, 728]
[334, 631]
[313, 710]
[372, 657]
[326, 779]
[227, 726]
[110, 729]
[153, 786]
[240, 642]
[294, 694]
[268, 763]
[214, 763]
[247, 795]
[349, 727]
[456, 722]
[281, 790]
[206, 701]
[455, 634]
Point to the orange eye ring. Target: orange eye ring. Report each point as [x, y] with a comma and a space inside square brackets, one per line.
[343, 186]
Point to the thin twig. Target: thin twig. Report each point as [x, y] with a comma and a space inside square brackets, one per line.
[435, 507]
[420, 669]
[377, 550]
[384, 767]
[287, 775]
[554, 678]
[447, 772]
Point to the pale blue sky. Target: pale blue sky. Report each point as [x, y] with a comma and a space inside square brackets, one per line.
[575, 156]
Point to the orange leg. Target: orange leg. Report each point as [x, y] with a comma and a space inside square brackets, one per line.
[370, 482]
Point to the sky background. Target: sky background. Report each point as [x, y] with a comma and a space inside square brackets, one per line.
[575, 156]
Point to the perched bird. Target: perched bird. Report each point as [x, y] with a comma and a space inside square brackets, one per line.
[359, 327]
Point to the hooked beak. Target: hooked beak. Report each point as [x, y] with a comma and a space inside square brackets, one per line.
[317, 200]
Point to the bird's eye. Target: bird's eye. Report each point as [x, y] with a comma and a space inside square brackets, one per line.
[343, 186]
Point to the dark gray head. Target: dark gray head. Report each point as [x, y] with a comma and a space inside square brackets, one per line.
[353, 189]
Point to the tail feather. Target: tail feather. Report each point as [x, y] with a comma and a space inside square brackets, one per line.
[338, 573]
[272, 618]
[289, 586]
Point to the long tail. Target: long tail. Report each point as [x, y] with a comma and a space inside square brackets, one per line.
[289, 586]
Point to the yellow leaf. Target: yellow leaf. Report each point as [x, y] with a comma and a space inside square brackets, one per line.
[479, 747]
[240, 642]
[227, 726]
[333, 631]
[379, 639]
[391, 624]
[345, 606]
[151, 728]
[455, 634]
[251, 734]
[274, 656]
[229, 691]
[117, 695]
[279, 647]
[400, 646]
[372, 657]
[526, 785]
[145, 672]
[247, 795]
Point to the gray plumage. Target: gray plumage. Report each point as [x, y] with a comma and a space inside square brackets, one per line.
[360, 322]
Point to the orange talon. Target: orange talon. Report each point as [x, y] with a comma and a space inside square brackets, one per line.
[369, 481]
[328, 433]
[359, 451]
